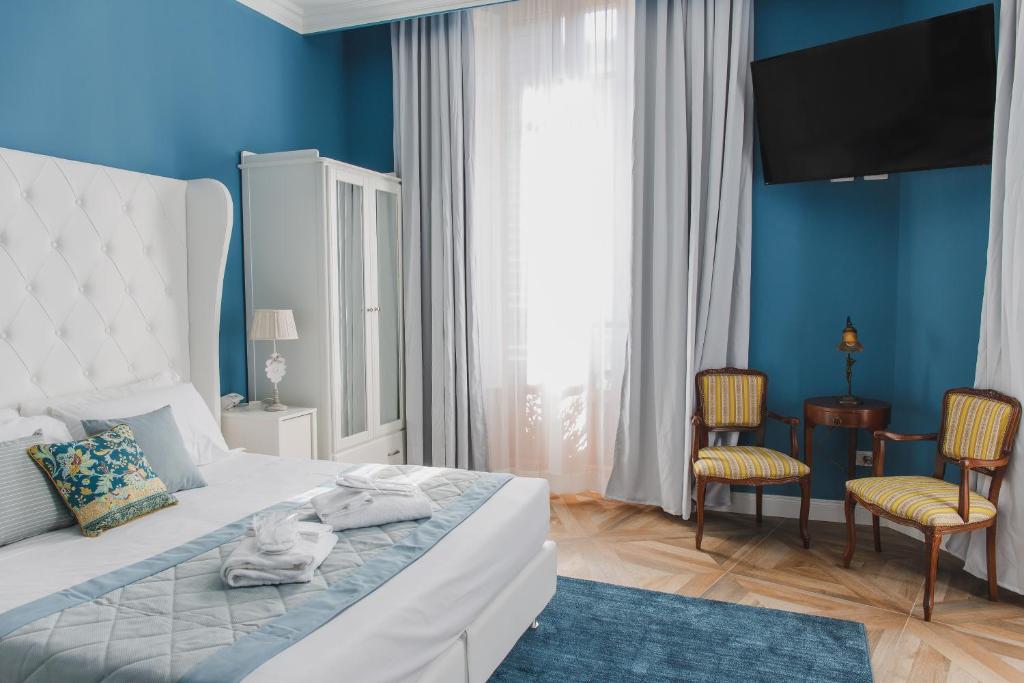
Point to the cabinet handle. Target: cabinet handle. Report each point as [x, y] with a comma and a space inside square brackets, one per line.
[394, 453]
[837, 421]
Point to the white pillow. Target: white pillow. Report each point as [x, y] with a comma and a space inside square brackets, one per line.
[198, 429]
[72, 402]
[53, 430]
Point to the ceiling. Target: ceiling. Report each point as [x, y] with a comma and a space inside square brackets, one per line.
[313, 16]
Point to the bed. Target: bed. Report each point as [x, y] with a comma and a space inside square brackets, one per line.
[134, 265]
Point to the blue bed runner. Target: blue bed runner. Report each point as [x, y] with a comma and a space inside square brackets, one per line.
[170, 618]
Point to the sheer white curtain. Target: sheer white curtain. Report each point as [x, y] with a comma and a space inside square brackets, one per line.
[552, 215]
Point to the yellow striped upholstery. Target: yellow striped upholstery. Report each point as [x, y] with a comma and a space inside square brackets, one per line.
[746, 462]
[925, 500]
[975, 427]
[732, 400]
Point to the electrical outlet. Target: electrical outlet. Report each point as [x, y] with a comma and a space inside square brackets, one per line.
[865, 458]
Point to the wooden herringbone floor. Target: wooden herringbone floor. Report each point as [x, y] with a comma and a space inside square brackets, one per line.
[970, 639]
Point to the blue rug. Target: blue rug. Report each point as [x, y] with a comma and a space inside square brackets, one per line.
[599, 632]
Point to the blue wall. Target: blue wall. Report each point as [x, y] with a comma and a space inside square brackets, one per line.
[171, 87]
[368, 97]
[941, 276]
[904, 257]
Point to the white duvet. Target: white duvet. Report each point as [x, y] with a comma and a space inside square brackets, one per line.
[391, 635]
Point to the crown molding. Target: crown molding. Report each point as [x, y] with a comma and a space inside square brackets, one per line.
[284, 12]
[306, 17]
[352, 13]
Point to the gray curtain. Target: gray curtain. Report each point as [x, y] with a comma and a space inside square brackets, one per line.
[1000, 360]
[433, 110]
[692, 147]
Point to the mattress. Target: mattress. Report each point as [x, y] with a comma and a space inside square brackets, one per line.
[419, 613]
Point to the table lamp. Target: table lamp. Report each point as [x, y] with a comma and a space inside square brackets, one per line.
[849, 344]
[273, 324]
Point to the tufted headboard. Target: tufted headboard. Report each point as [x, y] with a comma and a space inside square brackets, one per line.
[107, 277]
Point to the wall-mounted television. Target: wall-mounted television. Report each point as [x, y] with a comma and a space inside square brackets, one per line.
[914, 97]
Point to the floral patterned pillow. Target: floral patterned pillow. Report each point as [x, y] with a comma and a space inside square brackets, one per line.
[104, 480]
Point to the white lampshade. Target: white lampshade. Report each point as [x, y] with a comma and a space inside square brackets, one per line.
[272, 324]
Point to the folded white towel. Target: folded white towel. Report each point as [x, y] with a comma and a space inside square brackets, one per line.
[346, 508]
[339, 500]
[247, 566]
[360, 482]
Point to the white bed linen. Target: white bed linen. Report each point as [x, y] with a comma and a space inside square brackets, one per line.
[391, 635]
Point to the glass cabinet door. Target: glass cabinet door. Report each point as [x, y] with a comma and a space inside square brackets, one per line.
[389, 305]
[352, 316]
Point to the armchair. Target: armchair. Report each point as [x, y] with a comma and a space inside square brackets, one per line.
[733, 400]
[976, 434]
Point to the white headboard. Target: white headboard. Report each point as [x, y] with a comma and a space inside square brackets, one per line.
[106, 277]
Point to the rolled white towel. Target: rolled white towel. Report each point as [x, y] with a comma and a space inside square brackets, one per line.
[247, 566]
[345, 508]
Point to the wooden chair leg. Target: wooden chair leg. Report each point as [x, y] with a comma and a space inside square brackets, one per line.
[877, 533]
[701, 486]
[758, 495]
[805, 510]
[993, 576]
[932, 541]
[851, 529]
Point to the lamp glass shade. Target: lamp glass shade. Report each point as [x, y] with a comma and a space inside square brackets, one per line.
[273, 324]
[850, 342]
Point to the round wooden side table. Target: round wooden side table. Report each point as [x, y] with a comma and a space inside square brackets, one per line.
[869, 414]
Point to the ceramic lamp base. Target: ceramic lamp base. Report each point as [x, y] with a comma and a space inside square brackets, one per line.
[274, 404]
[275, 373]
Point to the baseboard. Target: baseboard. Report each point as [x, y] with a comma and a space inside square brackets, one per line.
[822, 509]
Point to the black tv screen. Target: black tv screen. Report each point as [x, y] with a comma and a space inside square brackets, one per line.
[914, 97]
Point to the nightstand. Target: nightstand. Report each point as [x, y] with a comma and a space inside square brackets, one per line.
[869, 415]
[290, 433]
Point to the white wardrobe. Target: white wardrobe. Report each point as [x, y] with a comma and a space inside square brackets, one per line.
[323, 238]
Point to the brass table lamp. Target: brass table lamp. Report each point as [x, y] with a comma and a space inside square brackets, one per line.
[849, 344]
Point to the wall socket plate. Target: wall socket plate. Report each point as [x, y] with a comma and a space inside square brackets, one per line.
[865, 458]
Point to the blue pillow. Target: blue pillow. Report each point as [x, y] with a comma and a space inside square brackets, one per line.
[158, 436]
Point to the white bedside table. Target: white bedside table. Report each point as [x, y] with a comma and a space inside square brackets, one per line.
[290, 433]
